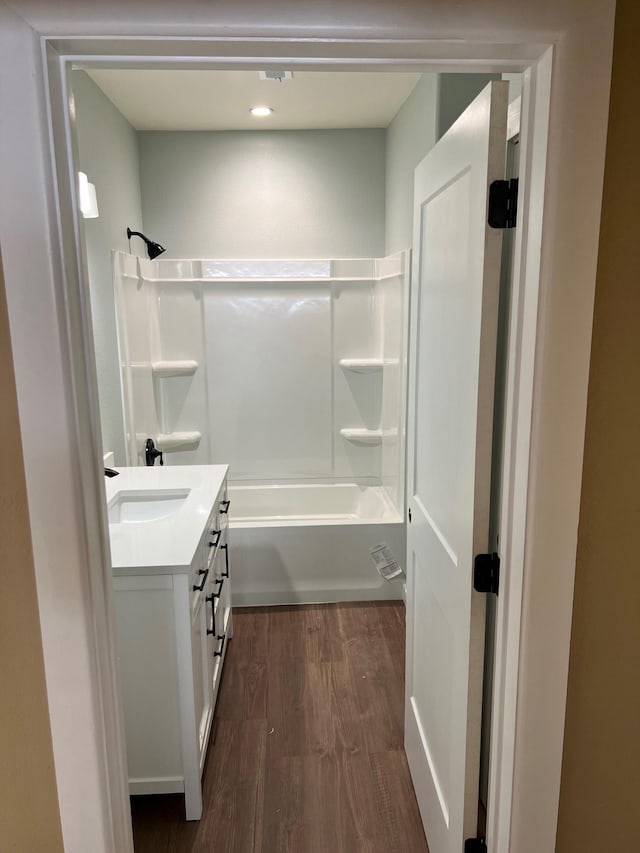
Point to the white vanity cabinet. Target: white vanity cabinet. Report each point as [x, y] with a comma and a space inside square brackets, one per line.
[173, 629]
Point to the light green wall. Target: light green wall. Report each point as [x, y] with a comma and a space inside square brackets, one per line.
[455, 93]
[248, 194]
[108, 151]
[515, 85]
[267, 194]
[409, 136]
[434, 104]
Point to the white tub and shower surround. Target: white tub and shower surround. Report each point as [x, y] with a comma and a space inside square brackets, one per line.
[293, 372]
[269, 356]
[392, 313]
[136, 336]
[161, 346]
[311, 543]
[323, 503]
[257, 363]
[283, 334]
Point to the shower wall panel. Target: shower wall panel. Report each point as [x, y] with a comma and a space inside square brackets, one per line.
[182, 400]
[356, 395]
[284, 378]
[268, 360]
[392, 313]
[136, 331]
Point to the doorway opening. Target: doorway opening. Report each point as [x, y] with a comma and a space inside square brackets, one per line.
[169, 317]
[64, 169]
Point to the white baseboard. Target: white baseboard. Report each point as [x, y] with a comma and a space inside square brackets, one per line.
[157, 785]
[389, 592]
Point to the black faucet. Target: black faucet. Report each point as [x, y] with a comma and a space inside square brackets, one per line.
[151, 453]
[109, 472]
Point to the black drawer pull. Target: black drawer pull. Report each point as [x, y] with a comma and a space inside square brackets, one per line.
[225, 548]
[219, 654]
[204, 573]
[216, 534]
[224, 507]
[211, 598]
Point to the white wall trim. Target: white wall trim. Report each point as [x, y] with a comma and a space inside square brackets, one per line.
[545, 518]
[110, 747]
[517, 461]
[157, 785]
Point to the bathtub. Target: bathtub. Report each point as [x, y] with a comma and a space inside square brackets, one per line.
[310, 543]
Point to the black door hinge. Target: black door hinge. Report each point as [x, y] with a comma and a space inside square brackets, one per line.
[486, 573]
[475, 845]
[503, 203]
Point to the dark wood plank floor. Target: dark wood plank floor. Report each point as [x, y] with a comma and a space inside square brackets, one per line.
[307, 743]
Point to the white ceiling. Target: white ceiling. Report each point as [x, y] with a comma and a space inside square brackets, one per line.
[220, 100]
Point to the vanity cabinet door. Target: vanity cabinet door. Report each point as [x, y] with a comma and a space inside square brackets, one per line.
[217, 638]
[147, 657]
[203, 697]
[223, 623]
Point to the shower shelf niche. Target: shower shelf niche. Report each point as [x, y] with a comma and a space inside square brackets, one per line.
[165, 369]
[362, 365]
[360, 435]
[172, 442]
[366, 365]
[290, 369]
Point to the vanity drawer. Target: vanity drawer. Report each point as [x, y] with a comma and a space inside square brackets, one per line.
[222, 564]
[215, 532]
[203, 565]
[223, 607]
[218, 634]
[223, 508]
[198, 579]
[221, 584]
[215, 601]
[203, 568]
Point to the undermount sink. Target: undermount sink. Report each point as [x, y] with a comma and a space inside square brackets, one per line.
[133, 507]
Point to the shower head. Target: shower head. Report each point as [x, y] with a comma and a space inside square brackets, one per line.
[153, 249]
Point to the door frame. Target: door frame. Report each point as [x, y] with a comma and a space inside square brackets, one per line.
[520, 807]
[65, 152]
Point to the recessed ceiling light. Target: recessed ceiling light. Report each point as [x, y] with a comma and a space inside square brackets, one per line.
[261, 112]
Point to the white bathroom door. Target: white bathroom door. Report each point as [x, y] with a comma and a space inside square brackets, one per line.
[454, 310]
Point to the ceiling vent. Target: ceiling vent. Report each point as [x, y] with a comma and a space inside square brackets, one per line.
[275, 75]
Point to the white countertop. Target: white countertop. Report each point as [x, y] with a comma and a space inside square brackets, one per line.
[166, 546]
